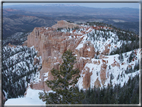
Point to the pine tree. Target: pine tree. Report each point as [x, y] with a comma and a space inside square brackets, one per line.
[64, 83]
[17, 71]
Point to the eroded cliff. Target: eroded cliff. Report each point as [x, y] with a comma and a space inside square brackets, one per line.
[52, 42]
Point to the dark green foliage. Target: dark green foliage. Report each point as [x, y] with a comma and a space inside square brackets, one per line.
[97, 23]
[120, 57]
[128, 94]
[132, 55]
[126, 47]
[70, 21]
[130, 40]
[111, 76]
[68, 29]
[76, 28]
[126, 35]
[136, 67]
[17, 71]
[59, 29]
[63, 79]
[130, 70]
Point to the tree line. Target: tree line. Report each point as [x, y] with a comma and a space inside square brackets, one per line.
[65, 91]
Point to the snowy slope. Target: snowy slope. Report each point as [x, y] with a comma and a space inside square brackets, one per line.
[19, 68]
[31, 98]
[106, 39]
[120, 77]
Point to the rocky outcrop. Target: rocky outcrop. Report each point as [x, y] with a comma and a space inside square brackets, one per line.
[64, 24]
[97, 83]
[103, 72]
[51, 44]
[107, 49]
[115, 63]
[11, 45]
[87, 50]
[86, 78]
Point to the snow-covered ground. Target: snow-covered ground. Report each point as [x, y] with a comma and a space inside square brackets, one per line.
[120, 77]
[23, 58]
[30, 99]
[101, 39]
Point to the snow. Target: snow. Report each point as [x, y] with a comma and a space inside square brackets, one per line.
[70, 37]
[80, 82]
[79, 46]
[23, 102]
[115, 71]
[56, 63]
[31, 98]
[5, 94]
[45, 75]
[89, 30]
[88, 49]
[64, 30]
[36, 78]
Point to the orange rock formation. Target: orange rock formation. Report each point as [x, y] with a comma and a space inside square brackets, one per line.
[51, 44]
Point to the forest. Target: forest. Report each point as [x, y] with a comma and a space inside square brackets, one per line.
[18, 70]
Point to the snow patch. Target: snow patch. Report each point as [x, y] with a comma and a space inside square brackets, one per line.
[79, 46]
[31, 98]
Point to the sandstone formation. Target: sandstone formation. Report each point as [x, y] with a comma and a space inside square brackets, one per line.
[107, 49]
[51, 44]
[11, 45]
[103, 71]
[115, 63]
[86, 79]
[64, 24]
[97, 83]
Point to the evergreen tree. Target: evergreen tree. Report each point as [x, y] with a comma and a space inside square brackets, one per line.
[17, 72]
[64, 83]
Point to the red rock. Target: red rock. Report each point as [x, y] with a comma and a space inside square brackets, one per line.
[115, 64]
[64, 24]
[98, 63]
[36, 61]
[95, 62]
[11, 45]
[106, 51]
[104, 62]
[123, 63]
[129, 66]
[97, 83]
[86, 79]
[101, 56]
[103, 73]
[51, 45]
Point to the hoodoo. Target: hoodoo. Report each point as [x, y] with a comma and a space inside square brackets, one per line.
[52, 42]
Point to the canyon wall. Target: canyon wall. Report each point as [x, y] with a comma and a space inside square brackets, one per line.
[51, 44]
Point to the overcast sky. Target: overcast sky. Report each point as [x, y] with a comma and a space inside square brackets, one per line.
[111, 5]
[95, 5]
